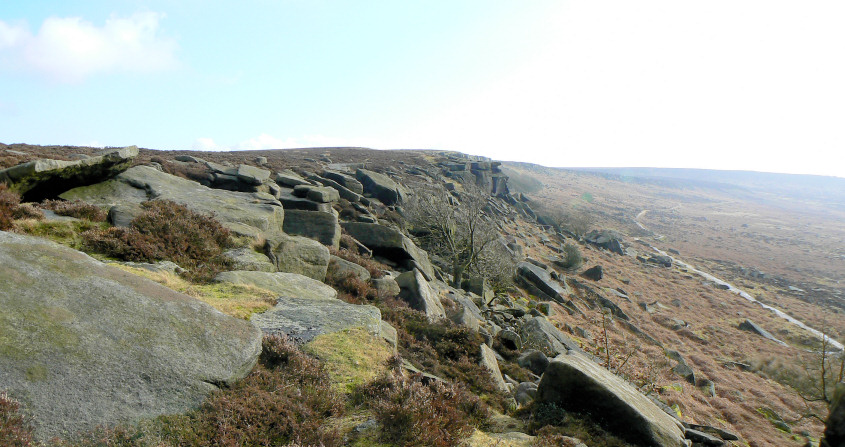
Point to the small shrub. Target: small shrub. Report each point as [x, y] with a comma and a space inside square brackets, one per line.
[351, 288]
[442, 348]
[412, 413]
[123, 243]
[192, 171]
[14, 429]
[169, 231]
[77, 209]
[9, 201]
[571, 257]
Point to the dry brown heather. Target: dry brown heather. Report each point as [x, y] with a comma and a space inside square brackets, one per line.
[797, 243]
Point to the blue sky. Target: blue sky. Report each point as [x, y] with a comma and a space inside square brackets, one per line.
[754, 85]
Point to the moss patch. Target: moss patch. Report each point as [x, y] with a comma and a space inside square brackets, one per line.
[237, 300]
[352, 357]
[482, 439]
[65, 233]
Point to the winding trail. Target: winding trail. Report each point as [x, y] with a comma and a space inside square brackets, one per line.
[737, 291]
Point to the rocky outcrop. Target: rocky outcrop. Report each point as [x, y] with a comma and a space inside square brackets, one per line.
[752, 327]
[319, 194]
[539, 282]
[294, 254]
[290, 179]
[595, 273]
[489, 362]
[302, 319]
[341, 268]
[343, 191]
[576, 383]
[539, 333]
[290, 285]
[46, 178]
[418, 294]
[248, 214]
[347, 181]
[379, 186]
[390, 244]
[84, 344]
[606, 239]
[248, 259]
[318, 225]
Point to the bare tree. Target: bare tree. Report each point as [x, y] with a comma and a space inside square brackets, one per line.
[826, 370]
[456, 227]
[575, 220]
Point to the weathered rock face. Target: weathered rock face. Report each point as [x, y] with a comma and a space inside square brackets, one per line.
[379, 186]
[539, 282]
[576, 383]
[248, 259]
[418, 294]
[302, 319]
[834, 432]
[84, 344]
[340, 268]
[390, 244]
[294, 254]
[290, 179]
[319, 194]
[318, 225]
[347, 181]
[596, 273]
[343, 191]
[38, 179]
[250, 214]
[291, 285]
[539, 333]
[489, 362]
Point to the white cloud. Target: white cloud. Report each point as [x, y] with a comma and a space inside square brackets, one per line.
[70, 49]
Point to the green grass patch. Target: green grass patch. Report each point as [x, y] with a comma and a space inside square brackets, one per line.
[352, 357]
[237, 300]
[65, 233]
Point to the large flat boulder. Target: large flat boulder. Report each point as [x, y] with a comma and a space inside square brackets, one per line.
[576, 383]
[83, 344]
[379, 186]
[291, 285]
[47, 178]
[321, 226]
[295, 254]
[539, 282]
[391, 244]
[302, 319]
[249, 214]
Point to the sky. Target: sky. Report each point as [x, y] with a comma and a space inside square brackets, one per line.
[740, 84]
